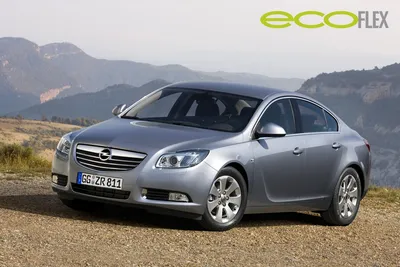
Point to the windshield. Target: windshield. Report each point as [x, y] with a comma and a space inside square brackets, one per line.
[196, 108]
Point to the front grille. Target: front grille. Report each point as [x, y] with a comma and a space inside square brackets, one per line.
[107, 159]
[100, 192]
[62, 180]
[157, 194]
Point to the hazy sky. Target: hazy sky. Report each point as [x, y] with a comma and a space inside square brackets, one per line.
[208, 34]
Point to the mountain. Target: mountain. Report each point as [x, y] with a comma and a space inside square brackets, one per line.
[26, 77]
[95, 74]
[31, 74]
[10, 100]
[369, 101]
[97, 105]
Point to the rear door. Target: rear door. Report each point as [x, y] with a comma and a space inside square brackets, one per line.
[320, 131]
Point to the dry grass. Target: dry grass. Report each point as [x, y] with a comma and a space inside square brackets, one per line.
[41, 136]
[18, 159]
[391, 195]
[27, 146]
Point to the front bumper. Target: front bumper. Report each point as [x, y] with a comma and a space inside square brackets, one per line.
[194, 182]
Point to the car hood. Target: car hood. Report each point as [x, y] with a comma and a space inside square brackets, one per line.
[150, 137]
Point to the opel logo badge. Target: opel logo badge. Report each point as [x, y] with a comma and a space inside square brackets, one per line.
[105, 154]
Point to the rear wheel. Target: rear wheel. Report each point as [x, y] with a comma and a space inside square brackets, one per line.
[81, 205]
[226, 201]
[346, 199]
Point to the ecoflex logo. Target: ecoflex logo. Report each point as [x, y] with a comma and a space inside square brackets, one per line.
[362, 19]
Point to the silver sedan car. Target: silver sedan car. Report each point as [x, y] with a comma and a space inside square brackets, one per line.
[214, 151]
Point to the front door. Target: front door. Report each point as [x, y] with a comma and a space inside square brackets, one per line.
[279, 161]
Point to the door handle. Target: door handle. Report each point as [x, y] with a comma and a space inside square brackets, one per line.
[298, 151]
[336, 145]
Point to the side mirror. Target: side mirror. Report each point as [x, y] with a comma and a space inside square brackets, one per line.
[118, 109]
[270, 130]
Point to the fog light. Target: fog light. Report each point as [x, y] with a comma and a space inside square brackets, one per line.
[55, 179]
[144, 192]
[178, 197]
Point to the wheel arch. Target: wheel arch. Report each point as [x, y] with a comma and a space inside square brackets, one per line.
[240, 168]
[354, 165]
[360, 173]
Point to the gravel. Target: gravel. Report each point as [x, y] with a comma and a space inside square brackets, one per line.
[37, 230]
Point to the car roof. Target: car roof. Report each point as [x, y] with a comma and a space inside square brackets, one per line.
[249, 90]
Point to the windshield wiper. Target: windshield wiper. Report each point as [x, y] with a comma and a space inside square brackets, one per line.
[181, 123]
[184, 123]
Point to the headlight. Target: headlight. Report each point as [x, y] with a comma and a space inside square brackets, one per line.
[64, 145]
[183, 159]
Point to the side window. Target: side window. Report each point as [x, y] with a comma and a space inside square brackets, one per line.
[159, 108]
[312, 117]
[280, 112]
[331, 122]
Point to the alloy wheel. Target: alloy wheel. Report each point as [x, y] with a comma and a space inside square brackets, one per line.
[224, 199]
[348, 196]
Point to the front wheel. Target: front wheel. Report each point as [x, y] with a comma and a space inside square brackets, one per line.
[346, 199]
[226, 201]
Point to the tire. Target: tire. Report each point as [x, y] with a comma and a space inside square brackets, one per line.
[82, 205]
[341, 212]
[220, 206]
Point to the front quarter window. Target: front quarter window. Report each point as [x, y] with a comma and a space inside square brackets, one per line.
[331, 122]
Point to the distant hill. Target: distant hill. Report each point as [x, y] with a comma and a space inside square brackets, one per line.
[11, 100]
[25, 75]
[32, 74]
[369, 101]
[96, 105]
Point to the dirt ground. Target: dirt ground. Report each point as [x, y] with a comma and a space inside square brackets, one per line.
[37, 230]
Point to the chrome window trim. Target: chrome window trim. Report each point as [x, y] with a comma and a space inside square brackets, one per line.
[296, 134]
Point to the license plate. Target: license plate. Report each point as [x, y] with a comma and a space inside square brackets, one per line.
[99, 181]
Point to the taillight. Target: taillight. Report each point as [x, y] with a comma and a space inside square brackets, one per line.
[368, 145]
